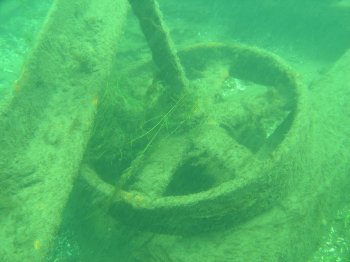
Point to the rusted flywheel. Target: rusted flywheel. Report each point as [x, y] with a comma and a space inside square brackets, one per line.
[254, 176]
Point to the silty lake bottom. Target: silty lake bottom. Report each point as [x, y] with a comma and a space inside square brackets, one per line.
[174, 130]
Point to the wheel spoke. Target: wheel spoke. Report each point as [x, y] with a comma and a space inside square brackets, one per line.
[222, 149]
[166, 157]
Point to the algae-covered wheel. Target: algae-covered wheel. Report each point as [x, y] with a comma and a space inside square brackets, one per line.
[222, 171]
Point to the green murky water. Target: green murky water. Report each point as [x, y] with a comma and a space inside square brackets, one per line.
[184, 131]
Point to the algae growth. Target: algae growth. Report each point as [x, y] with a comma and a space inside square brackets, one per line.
[174, 131]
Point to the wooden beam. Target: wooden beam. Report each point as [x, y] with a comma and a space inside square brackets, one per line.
[46, 125]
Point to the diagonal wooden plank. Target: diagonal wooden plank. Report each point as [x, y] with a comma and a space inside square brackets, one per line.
[45, 127]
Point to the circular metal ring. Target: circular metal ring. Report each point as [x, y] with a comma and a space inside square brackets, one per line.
[141, 200]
